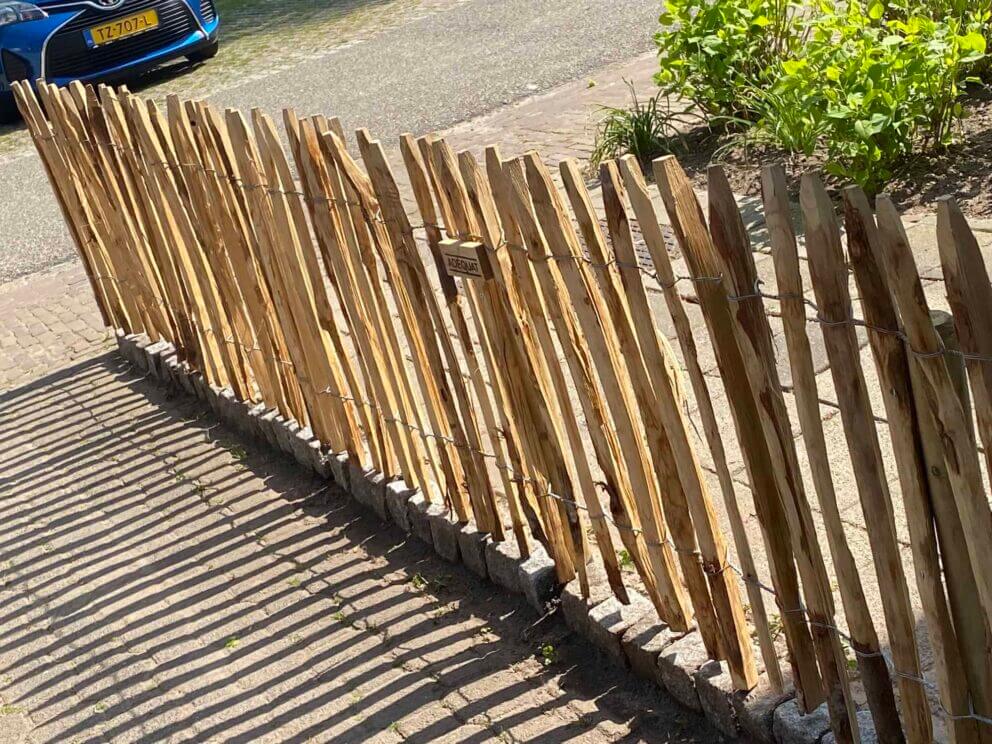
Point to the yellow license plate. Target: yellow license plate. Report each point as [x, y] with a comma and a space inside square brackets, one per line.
[122, 28]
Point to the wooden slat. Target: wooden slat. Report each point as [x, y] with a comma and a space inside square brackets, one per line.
[293, 307]
[91, 253]
[644, 211]
[779, 530]
[967, 284]
[520, 381]
[654, 388]
[577, 323]
[333, 323]
[864, 639]
[309, 283]
[464, 483]
[830, 285]
[960, 456]
[892, 364]
[505, 448]
[242, 245]
[367, 274]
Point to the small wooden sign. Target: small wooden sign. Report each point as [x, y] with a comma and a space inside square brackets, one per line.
[463, 258]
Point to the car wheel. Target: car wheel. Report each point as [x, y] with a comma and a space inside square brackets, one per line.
[207, 52]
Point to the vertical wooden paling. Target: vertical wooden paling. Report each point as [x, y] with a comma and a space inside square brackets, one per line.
[644, 211]
[778, 529]
[892, 364]
[864, 639]
[830, 285]
[960, 455]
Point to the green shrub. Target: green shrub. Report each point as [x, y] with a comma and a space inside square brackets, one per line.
[864, 81]
[717, 53]
[867, 90]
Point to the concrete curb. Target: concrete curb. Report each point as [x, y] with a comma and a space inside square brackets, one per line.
[629, 635]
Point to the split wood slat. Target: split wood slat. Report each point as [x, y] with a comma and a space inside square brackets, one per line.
[92, 253]
[538, 291]
[579, 332]
[968, 289]
[960, 456]
[181, 240]
[465, 483]
[657, 395]
[499, 311]
[614, 349]
[505, 447]
[892, 364]
[830, 284]
[735, 638]
[515, 366]
[363, 224]
[356, 230]
[150, 290]
[616, 323]
[966, 281]
[640, 201]
[489, 320]
[241, 243]
[174, 293]
[367, 284]
[291, 305]
[309, 283]
[198, 196]
[467, 437]
[95, 207]
[321, 182]
[864, 639]
[730, 239]
[228, 354]
[329, 319]
[232, 265]
[506, 438]
[691, 232]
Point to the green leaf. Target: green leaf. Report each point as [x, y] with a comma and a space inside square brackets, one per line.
[876, 10]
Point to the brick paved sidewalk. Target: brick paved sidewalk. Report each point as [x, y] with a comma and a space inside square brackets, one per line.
[159, 581]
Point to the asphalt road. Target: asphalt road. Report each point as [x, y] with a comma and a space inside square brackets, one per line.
[426, 74]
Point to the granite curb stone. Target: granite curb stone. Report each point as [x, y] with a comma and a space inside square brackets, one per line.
[398, 495]
[643, 641]
[444, 532]
[472, 549]
[715, 688]
[677, 666]
[610, 619]
[756, 709]
[789, 726]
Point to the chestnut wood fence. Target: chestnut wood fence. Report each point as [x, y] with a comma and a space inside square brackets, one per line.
[501, 354]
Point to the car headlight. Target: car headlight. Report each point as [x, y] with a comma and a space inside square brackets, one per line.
[15, 11]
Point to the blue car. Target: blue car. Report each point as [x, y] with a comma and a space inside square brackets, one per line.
[91, 40]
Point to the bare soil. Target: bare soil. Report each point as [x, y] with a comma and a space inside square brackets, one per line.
[961, 170]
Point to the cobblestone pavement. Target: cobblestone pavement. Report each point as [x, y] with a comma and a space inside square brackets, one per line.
[163, 581]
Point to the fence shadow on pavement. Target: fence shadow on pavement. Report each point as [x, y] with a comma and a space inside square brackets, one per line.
[160, 577]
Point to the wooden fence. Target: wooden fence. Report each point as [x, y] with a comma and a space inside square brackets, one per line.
[502, 354]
